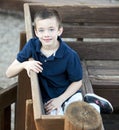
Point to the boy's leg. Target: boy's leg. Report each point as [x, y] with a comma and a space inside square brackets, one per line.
[76, 97]
[104, 104]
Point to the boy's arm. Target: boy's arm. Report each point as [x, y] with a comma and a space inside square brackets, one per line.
[72, 89]
[16, 67]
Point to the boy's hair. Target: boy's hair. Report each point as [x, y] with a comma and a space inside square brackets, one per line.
[47, 13]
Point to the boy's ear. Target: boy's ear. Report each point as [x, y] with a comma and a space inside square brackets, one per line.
[60, 31]
[36, 32]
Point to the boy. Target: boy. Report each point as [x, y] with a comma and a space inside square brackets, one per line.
[57, 65]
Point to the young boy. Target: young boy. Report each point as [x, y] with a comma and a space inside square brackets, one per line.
[57, 65]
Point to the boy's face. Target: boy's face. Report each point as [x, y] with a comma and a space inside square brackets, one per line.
[47, 30]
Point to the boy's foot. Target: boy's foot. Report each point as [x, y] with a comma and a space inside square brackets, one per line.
[105, 105]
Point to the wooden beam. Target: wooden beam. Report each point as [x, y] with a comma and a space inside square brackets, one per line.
[36, 96]
[8, 96]
[29, 118]
[86, 80]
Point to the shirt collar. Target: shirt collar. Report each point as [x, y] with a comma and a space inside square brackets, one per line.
[38, 45]
[59, 53]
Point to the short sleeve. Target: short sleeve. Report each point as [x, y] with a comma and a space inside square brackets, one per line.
[74, 68]
[25, 53]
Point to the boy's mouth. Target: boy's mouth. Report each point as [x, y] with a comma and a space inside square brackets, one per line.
[47, 40]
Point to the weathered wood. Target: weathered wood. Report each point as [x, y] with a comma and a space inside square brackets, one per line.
[86, 13]
[48, 122]
[36, 96]
[97, 22]
[5, 118]
[82, 116]
[105, 80]
[29, 119]
[111, 121]
[5, 108]
[8, 96]
[94, 31]
[96, 50]
[86, 80]
[23, 93]
[42, 121]
[28, 22]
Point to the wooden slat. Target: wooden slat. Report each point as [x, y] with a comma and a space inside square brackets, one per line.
[86, 80]
[8, 96]
[36, 96]
[48, 122]
[104, 76]
[28, 22]
[111, 121]
[85, 13]
[91, 31]
[100, 64]
[96, 50]
[104, 71]
[23, 93]
[5, 118]
[29, 118]
[5, 108]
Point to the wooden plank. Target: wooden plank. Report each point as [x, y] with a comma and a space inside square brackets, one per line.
[104, 72]
[86, 13]
[5, 118]
[23, 93]
[100, 64]
[28, 22]
[105, 79]
[48, 122]
[96, 50]
[38, 109]
[111, 121]
[94, 31]
[86, 80]
[5, 108]
[8, 96]
[29, 118]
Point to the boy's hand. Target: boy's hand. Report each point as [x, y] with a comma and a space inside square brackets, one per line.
[53, 104]
[33, 65]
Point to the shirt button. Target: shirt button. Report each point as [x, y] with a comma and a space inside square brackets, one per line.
[45, 60]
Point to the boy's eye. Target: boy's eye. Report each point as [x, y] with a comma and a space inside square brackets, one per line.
[51, 29]
[40, 30]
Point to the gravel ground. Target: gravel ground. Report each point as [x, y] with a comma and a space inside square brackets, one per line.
[10, 28]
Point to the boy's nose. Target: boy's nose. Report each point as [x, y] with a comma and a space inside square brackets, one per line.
[46, 33]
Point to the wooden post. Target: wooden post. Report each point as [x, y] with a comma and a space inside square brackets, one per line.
[29, 119]
[5, 118]
[23, 93]
[82, 116]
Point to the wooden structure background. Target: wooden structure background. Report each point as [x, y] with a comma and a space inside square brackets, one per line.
[89, 22]
[95, 33]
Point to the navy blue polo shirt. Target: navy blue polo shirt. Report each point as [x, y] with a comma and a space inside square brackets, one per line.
[59, 70]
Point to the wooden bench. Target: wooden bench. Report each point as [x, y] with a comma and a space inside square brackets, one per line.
[94, 32]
